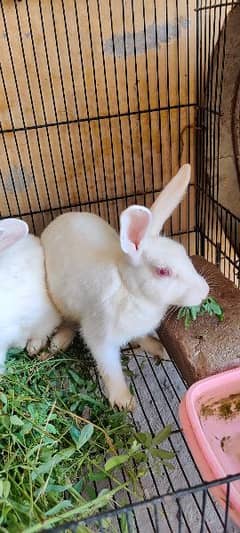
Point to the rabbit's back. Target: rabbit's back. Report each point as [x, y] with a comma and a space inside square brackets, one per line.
[84, 230]
[81, 251]
[23, 294]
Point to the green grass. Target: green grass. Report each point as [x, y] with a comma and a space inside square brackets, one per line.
[58, 437]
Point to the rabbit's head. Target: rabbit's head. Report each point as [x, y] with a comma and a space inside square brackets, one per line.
[161, 265]
[11, 231]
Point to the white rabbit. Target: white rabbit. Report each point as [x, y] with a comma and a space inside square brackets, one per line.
[119, 289]
[27, 316]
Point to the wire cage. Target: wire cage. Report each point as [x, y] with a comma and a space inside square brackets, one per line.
[101, 102]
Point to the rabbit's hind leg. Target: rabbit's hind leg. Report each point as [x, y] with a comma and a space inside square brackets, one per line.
[62, 339]
[152, 345]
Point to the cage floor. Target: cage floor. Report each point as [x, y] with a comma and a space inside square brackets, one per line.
[158, 390]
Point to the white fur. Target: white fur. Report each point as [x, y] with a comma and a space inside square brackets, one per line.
[110, 286]
[26, 312]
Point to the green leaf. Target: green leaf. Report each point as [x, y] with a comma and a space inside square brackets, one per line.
[27, 427]
[170, 466]
[51, 429]
[76, 377]
[144, 438]
[16, 421]
[162, 454]
[65, 504]
[216, 308]
[78, 486]
[5, 421]
[205, 306]
[90, 490]
[124, 522]
[32, 409]
[57, 489]
[188, 319]
[136, 446]
[140, 457]
[55, 460]
[162, 435]
[85, 435]
[181, 313]
[74, 405]
[75, 434]
[21, 507]
[87, 399]
[115, 461]
[3, 398]
[97, 476]
[194, 311]
[6, 488]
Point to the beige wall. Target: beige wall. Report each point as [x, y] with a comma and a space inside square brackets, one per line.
[83, 161]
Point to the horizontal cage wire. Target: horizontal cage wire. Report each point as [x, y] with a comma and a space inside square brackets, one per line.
[175, 500]
[101, 102]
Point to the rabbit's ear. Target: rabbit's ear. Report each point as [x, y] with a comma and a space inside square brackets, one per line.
[11, 231]
[169, 198]
[134, 224]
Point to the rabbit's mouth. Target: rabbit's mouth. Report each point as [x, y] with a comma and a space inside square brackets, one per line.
[193, 295]
[193, 299]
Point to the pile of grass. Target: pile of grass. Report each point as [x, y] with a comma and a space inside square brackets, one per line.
[59, 436]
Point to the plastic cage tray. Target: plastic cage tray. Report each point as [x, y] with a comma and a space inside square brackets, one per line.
[172, 500]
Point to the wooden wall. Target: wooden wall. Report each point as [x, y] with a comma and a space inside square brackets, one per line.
[97, 104]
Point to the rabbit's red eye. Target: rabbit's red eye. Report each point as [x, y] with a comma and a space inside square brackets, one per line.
[163, 272]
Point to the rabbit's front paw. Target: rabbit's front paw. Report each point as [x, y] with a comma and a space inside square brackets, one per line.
[123, 399]
[34, 346]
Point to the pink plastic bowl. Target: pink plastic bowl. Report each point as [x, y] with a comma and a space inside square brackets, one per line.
[210, 418]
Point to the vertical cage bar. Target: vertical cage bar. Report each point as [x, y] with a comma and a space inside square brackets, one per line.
[33, 107]
[110, 122]
[158, 90]
[54, 101]
[76, 6]
[204, 499]
[227, 508]
[65, 103]
[138, 100]
[76, 110]
[180, 514]
[156, 518]
[43, 104]
[168, 99]
[198, 147]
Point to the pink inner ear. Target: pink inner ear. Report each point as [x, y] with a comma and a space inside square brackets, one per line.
[163, 272]
[137, 227]
[11, 231]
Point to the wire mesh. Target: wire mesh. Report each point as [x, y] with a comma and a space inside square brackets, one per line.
[96, 122]
[219, 237]
[171, 500]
